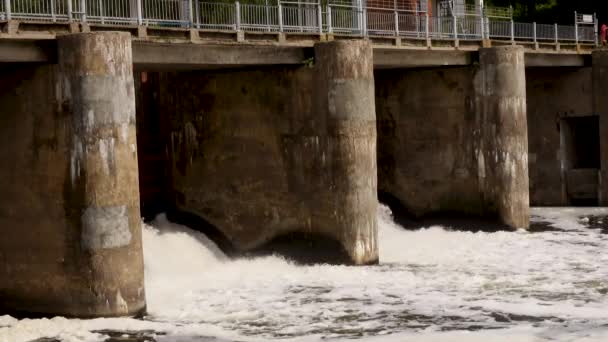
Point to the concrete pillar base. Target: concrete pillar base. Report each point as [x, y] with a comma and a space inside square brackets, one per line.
[11, 27]
[502, 151]
[142, 31]
[345, 101]
[103, 190]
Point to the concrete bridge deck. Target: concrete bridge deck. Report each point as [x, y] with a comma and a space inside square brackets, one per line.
[161, 48]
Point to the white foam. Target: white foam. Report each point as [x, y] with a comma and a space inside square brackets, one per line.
[533, 286]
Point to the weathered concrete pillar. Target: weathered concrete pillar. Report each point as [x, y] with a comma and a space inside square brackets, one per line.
[600, 107]
[103, 193]
[502, 151]
[345, 104]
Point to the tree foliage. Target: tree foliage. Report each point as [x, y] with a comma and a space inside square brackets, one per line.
[553, 11]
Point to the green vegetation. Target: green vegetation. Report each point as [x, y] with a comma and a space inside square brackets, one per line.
[553, 11]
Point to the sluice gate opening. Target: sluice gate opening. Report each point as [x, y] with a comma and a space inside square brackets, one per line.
[580, 139]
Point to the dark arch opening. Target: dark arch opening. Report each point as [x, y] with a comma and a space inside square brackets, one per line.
[448, 219]
[305, 249]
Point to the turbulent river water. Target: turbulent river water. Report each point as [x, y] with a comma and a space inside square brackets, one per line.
[432, 284]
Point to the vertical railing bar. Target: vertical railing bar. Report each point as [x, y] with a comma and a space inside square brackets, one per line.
[364, 22]
[595, 30]
[512, 30]
[329, 27]
[53, 16]
[320, 17]
[101, 12]
[83, 10]
[191, 14]
[140, 19]
[7, 9]
[556, 34]
[238, 15]
[534, 33]
[575, 28]
[426, 25]
[280, 14]
[197, 10]
[69, 10]
[396, 23]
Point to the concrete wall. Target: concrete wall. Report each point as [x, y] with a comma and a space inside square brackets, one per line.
[553, 94]
[600, 107]
[35, 272]
[263, 153]
[454, 140]
[426, 157]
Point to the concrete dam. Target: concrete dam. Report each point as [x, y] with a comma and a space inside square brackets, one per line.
[260, 136]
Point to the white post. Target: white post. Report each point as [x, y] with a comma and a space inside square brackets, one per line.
[417, 25]
[238, 15]
[455, 27]
[575, 28]
[197, 10]
[53, 11]
[512, 31]
[426, 25]
[556, 34]
[397, 24]
[280, 16]
[190, 14]
[101, 11]
[364, 22]
[83, 10]
[534, 32]
[320, 18]
[69, 10]
[140, 19]
[7, 9]
[329, 28]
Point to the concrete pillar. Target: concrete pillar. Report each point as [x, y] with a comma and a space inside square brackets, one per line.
[502, 135]
[600, 107]
[345, 108]
[102, 194]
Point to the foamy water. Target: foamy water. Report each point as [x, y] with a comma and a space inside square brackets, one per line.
[432, 285]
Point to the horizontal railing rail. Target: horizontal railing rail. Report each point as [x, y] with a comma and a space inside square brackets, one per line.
[292, 17]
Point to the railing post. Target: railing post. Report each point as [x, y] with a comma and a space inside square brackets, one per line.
[455, 27]
[197, 10]
[329, 28]
[267, 11]
[280, 16]
[397, 24]
[417, 25]
[595, 30]
[575, 28]
[99, 2]
[190, 14]
[69, 10]
[534, 33]
[512, 31]
[238, 15]
[7, 9]
[53, 18]
[320, 17]
[83, 10]
[426, 26]
[364, 22]
[140, 19]
[556, 34]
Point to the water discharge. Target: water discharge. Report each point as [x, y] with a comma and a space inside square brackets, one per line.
[433, 284]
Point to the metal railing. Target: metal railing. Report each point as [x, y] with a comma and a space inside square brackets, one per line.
[296, 17]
